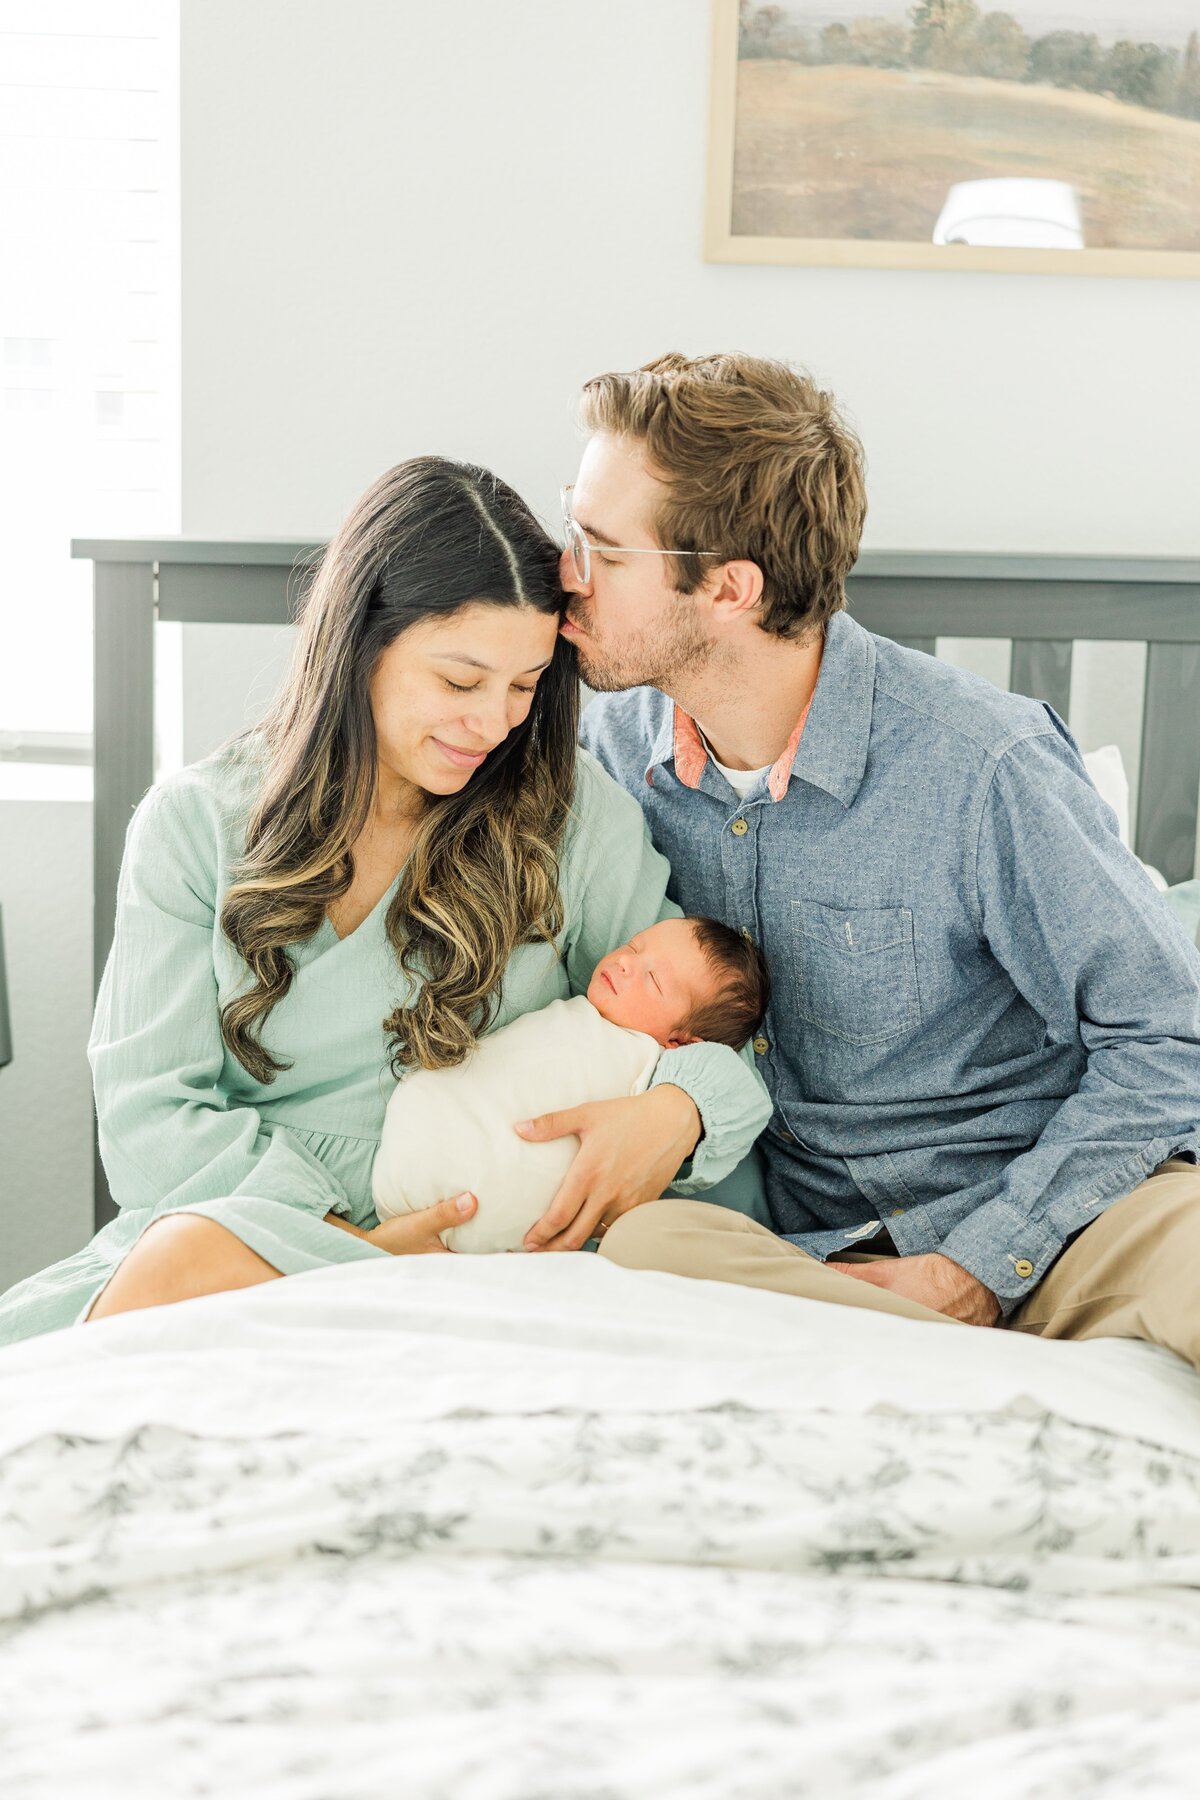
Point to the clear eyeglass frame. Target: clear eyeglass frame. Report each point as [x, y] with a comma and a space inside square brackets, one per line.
[581, 551]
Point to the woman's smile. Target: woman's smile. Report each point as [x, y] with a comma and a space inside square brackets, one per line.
[462, 759]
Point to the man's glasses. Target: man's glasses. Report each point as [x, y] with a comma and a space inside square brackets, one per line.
[581, 550]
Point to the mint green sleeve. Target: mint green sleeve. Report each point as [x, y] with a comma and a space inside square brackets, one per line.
[615, 884]
[168, 1138]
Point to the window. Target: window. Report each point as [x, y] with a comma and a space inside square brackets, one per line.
[89, 330]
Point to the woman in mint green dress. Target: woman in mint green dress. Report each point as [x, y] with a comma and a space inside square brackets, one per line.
[408, 851]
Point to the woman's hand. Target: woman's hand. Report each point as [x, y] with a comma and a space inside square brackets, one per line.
[416, 1233]
[629, 1151]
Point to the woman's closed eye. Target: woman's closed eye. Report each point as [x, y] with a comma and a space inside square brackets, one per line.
[474, 686]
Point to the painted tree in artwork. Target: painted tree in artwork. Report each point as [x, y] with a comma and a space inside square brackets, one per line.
[1142, 74]
[1188, 99]
[1067, 59]
[999, 48]
[942, 31]
[757, 27]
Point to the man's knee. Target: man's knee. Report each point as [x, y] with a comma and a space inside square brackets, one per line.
[1134, 1271]
[637, 1239]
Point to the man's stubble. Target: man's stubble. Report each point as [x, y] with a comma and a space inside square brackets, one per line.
[653, 658]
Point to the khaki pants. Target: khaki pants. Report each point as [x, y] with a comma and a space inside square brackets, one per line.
[1133, 1272]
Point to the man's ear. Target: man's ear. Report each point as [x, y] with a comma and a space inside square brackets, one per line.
[738, 588]
[678, 1039]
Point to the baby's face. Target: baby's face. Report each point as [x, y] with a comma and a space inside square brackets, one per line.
[654, 982]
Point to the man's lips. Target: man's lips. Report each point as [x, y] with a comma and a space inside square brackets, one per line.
[569, 628]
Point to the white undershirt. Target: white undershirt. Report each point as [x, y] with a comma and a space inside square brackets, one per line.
[740, 780]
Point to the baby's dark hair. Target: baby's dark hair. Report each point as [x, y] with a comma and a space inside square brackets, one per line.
[744, 994]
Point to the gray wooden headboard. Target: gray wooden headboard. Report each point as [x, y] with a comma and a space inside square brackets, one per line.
[1045, 604]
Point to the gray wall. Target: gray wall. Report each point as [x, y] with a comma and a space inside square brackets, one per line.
[45, 1092]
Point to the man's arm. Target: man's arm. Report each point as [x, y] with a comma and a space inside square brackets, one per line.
[1070, 915]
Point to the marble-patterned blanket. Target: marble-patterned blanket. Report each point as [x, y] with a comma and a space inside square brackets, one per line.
[545, 1529]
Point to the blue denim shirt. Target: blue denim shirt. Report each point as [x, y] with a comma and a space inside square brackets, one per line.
[985, 1024]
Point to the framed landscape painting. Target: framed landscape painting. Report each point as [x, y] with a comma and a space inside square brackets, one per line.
[1058, 136]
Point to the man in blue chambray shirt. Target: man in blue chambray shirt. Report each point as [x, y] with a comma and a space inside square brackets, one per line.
[983, 1046]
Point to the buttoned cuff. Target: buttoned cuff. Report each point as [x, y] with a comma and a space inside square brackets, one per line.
[1010, 1252]
[1005, 1250]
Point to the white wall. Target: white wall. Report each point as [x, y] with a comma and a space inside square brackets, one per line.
[413, 228]
[410, 227]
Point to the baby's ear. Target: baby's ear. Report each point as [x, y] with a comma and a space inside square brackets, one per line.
[678, 1039]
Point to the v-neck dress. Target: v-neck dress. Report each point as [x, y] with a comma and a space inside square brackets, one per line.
[184, 1128]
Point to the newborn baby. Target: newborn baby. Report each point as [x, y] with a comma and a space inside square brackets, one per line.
[450, 1131]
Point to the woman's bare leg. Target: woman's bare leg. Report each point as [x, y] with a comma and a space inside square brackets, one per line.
[179, 1257]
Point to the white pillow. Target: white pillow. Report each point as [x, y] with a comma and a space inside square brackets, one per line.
[1107, 770]
[1106, 767]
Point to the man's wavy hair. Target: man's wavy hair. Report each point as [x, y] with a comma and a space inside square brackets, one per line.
[428, 538]
[757, 465]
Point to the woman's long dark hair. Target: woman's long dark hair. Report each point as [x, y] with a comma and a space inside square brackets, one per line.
[428, 538]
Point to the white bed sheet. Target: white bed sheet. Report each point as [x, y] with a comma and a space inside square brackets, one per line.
[520, 1527]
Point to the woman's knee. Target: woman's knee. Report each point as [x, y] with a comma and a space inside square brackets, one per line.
[179, 1257]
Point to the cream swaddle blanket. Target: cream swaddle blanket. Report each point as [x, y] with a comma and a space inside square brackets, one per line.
[450, 1131]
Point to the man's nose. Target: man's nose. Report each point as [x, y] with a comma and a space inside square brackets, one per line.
[569, 575]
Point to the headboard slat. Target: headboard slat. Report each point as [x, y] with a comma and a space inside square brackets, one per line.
[1170, 773]
[904, 607]
[1042, 669]
[238, 594]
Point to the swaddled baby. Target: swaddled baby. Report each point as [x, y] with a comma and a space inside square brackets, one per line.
[450, 1131]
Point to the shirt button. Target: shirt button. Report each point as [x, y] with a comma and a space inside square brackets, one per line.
[748, 935]
[897, 1212]
[739, 828]
[761, 1046]
[1024, 1268]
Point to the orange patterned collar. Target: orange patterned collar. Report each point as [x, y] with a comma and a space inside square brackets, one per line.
[691, 753]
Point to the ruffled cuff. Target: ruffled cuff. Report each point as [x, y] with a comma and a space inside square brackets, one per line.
[733, 1104]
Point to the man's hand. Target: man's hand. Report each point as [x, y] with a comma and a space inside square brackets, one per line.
[629, 1151]
[932, 1281]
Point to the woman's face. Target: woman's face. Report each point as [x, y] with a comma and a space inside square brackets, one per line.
[447, 691]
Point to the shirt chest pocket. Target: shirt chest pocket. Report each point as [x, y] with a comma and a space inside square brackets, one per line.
[856, 970]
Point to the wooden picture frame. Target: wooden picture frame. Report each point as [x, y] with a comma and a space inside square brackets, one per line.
[725, 243]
